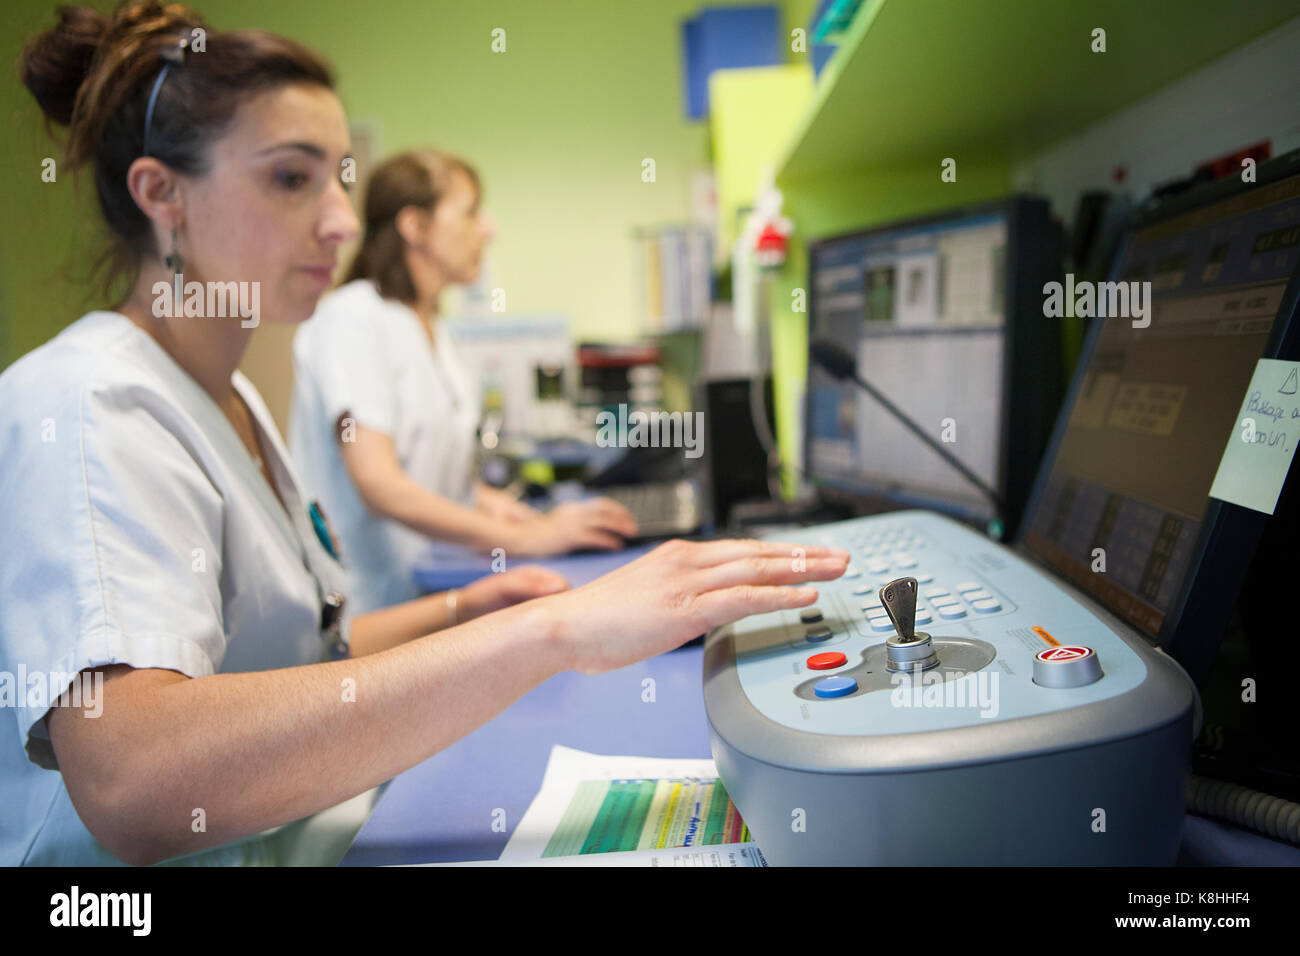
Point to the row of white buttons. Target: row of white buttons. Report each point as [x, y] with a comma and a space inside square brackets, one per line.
[868, 588]
[902, 561]
[880, 621]
[877, 541]
[877, 534]
[891, 547]
[947, 606]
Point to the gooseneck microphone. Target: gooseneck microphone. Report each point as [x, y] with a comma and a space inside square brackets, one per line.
[832, 357]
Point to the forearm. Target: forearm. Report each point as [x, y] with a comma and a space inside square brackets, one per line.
[397, 497]
[391, 626]
[485, 496]
[257, 750]
[502, 504]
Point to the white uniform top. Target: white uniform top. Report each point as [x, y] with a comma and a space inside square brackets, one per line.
[369, 358]
[136, 529]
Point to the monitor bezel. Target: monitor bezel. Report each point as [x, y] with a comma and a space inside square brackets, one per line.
[1194, 625]
[867, 497]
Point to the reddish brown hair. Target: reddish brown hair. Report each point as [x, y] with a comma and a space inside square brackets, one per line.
[415, 178]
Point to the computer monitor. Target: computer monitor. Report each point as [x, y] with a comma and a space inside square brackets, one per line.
[1153, 409]
[525, 366]
[944, 315]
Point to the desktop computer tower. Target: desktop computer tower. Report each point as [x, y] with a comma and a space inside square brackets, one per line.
[739, 445]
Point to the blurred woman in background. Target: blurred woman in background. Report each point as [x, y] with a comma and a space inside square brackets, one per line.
[385, 415]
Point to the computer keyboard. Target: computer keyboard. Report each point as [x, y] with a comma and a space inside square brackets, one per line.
[660, 508]
[1011, 711]
[880, 556]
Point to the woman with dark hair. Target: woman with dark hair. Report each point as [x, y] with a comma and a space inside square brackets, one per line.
[385, 416]
[188, 666]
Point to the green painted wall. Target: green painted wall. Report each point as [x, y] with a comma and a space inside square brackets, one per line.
[558, 125]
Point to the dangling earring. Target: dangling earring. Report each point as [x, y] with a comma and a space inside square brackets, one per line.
[174, 260]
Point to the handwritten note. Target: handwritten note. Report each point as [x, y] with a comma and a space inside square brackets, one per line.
[1259, 452]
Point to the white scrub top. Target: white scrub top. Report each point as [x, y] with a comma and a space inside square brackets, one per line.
[370, 359]
[137, 529]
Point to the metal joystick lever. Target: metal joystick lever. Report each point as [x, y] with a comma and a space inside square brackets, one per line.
[909, 649]
[899, 599]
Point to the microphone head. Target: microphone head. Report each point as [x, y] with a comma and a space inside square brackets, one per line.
[834, 358]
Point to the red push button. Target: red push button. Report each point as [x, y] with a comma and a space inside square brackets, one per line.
[1066, 666]
[824, 662]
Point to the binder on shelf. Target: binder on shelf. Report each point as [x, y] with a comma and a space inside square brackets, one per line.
[674, 268]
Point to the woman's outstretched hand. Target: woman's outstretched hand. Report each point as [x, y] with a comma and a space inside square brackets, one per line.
[680, 590]
[598, 523]
[498, 504]
[497, 591]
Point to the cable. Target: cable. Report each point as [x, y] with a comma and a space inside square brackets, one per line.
[1271, 816]
[757, 405]
[758, 415]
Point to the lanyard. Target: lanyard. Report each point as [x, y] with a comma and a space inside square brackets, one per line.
[332, 601]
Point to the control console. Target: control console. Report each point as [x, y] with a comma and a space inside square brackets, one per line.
[947, 701]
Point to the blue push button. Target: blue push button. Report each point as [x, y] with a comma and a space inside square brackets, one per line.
[835, 687]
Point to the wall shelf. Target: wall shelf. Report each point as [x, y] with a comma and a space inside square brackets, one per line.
[915, 81]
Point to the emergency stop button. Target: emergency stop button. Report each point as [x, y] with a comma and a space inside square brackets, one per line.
[1070, 665]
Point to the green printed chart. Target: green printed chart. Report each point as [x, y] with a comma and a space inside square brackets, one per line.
[606, 816]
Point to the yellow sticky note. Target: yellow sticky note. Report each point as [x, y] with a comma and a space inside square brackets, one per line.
[1260, 449]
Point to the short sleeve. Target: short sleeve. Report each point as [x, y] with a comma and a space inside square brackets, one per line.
[112, 551]
[341, 352]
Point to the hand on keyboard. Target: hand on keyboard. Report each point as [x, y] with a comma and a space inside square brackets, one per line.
[682, 589]
[575, 525]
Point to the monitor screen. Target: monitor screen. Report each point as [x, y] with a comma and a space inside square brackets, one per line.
[1154, 400]
[922, 309]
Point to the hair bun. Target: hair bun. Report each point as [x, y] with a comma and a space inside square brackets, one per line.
[56, 62]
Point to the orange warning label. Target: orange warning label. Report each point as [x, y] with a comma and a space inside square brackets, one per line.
[1047, 637]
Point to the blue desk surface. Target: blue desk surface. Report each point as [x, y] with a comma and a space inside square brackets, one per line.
[442, 810]
[447, 566]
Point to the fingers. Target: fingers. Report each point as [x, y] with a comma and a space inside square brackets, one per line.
[731, 604]
[610, 515]
[598, 514]
[595, 538]
[708, 553]
[495, 591]
[539, 580]
[522, 512]
[771, 571]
